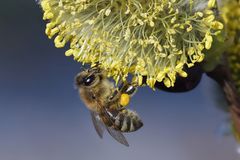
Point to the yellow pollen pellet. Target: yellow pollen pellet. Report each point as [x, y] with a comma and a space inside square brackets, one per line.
[124, 99]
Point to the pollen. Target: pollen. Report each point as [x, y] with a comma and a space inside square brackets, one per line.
[124, 99]
[133, 37]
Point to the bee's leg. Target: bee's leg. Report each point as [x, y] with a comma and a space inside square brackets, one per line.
[115, 100]
[128, 88]
[114, 96]
[122, 95]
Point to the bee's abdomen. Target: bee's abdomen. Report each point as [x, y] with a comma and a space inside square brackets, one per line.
[128, 121]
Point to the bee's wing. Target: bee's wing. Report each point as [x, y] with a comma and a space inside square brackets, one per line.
[118, 136]
[98, 125]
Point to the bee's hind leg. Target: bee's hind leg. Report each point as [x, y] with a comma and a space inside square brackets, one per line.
[128, 88]
[116, 100]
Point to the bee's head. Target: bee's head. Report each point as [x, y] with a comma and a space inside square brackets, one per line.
[88, 78]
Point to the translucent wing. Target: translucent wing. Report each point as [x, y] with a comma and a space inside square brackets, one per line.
[98, 125]
[118, 136]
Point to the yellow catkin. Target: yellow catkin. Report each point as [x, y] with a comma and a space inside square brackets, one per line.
[133, 37]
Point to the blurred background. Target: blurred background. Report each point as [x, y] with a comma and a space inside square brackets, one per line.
[42, 117]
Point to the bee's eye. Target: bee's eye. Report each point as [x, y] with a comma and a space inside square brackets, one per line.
[88, 80]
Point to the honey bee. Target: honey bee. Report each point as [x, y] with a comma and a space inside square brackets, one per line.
[107, 104]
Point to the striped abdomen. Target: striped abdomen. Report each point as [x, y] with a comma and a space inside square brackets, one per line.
[127, 121]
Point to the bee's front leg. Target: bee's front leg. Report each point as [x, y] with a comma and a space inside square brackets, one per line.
[115, 96]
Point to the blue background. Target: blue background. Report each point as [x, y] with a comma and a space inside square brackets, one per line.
[42, 117]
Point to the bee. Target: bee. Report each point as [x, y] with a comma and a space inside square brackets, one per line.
[107, 104]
